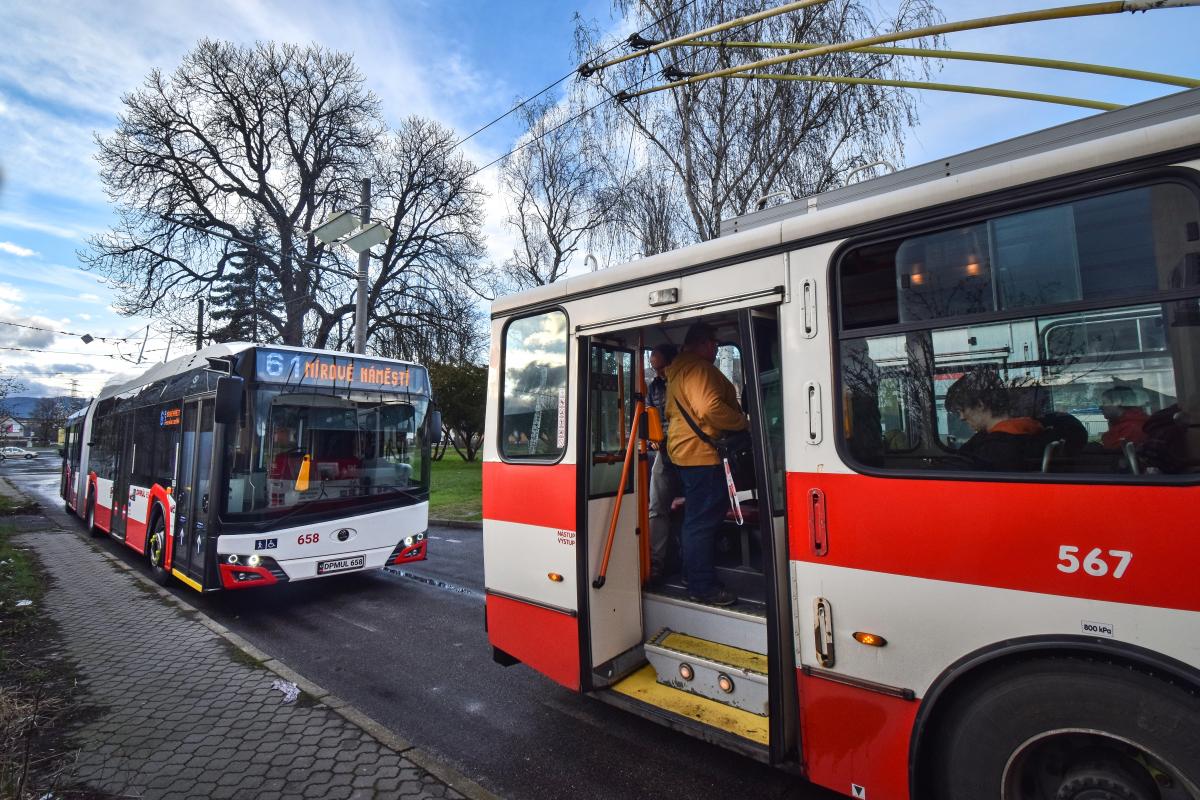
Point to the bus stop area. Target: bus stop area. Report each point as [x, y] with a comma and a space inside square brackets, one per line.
[172, 704]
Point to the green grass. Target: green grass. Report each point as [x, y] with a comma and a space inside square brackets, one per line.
[457, 491]
[19, 580]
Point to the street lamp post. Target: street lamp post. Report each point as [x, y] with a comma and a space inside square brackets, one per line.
[338, 226]
[364, 260]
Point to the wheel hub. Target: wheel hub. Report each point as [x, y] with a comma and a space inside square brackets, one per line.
[1106, 781]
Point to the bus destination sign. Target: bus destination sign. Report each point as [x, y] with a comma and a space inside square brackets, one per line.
[342, 371]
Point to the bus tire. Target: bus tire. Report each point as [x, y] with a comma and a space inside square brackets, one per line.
[156, 548]
[89, 519]
[1070, 728]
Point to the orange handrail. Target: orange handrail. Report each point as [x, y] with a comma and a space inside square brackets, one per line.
[630, 449]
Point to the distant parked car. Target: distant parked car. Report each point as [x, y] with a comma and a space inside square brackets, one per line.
[16, 452]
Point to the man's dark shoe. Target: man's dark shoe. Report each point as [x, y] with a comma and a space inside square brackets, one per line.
[721, 597]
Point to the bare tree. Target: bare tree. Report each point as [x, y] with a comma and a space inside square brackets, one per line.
[49, 414]
[236, 155]
[731, 141]
[8, 387]
[556, 191]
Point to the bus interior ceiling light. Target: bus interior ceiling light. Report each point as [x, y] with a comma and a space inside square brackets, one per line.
[336, 227]
[368, 237]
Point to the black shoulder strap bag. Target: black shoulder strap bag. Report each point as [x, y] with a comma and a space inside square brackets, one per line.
[737, 456]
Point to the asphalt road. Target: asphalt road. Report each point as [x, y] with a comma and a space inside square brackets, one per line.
[408, 648]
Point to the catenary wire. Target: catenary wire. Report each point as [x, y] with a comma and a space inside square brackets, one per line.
[528, 100]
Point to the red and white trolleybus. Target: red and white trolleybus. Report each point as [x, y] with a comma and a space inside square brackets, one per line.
[918, 616]
[243, 465]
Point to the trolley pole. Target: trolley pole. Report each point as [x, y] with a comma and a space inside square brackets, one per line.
[364, 259]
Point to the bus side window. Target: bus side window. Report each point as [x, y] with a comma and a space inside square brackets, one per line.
[533, 402]
[953, 355]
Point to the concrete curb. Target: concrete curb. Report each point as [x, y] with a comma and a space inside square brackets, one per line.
[448, 775]
[470, 525]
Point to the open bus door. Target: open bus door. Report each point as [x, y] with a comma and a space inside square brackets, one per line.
[190, 531]
[614, 606]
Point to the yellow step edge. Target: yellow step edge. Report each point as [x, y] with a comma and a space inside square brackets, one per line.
[643, 685]
[715, 651]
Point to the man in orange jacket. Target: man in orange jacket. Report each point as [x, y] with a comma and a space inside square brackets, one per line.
[697, 386]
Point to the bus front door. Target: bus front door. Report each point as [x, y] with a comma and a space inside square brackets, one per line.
[192, 497]
[615, 607]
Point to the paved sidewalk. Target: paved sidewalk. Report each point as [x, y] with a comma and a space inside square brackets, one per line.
[183, 713]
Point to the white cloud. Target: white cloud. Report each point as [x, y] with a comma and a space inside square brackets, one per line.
[17, 250]
[12, 220]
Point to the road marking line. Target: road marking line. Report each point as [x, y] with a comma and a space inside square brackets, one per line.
[349, 621]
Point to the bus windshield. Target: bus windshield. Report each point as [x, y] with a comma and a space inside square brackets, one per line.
[303, 446]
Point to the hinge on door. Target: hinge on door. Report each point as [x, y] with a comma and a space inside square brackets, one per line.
[823, 631]
[818, 526]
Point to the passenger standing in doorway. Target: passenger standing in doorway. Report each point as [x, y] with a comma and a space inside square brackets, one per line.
[664, 482]
[711, 401]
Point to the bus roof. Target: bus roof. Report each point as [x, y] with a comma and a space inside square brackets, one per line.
[119, 384]
[1099, 140]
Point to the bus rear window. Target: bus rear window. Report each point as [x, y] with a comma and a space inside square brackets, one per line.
[533, 407]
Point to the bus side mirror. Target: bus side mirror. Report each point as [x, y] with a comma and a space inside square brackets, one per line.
[435, 427]
[229, 399]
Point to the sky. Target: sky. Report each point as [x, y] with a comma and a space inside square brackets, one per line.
[65, 65]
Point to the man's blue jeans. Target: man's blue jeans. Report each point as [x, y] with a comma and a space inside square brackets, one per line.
[706, 499]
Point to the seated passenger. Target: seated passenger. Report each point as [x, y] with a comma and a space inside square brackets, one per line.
[1126, 417]
[1001, 441]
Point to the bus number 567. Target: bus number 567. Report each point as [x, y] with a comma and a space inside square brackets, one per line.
[1093, 563]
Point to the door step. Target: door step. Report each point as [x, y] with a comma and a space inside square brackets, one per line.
[719, 672]
[750, 729]
[743, 626]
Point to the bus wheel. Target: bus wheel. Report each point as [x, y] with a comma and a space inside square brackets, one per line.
[90, 517]
[156, 550]
[1070, 729]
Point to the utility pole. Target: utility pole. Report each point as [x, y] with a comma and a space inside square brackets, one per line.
[364, 259]
[199, 324]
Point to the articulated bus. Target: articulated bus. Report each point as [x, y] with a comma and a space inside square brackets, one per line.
[244, 465]
[913, 620]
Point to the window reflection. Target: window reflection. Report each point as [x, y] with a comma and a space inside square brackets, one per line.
[534, 401]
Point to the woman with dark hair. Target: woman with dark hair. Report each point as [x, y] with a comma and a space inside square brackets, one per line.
[1001, 442]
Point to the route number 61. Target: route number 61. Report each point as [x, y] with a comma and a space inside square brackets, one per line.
[1093, 563]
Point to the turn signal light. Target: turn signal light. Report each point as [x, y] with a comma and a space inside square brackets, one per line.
[554, 576]
[871, 639]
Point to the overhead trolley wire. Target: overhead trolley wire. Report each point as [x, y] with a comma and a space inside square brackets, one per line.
[938, 87]
[63, 333]
[586, 71]
[678, 40]
[1040, 15]
[574, 71]
[966, 55]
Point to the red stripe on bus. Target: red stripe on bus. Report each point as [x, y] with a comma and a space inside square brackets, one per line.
[135, 534]
[1005, 535]
[854, 736]
[103, 518]
[530, 494]
[547, 641]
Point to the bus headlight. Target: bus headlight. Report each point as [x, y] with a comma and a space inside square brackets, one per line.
[408, 541]
[253, 560]
[233, 559]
